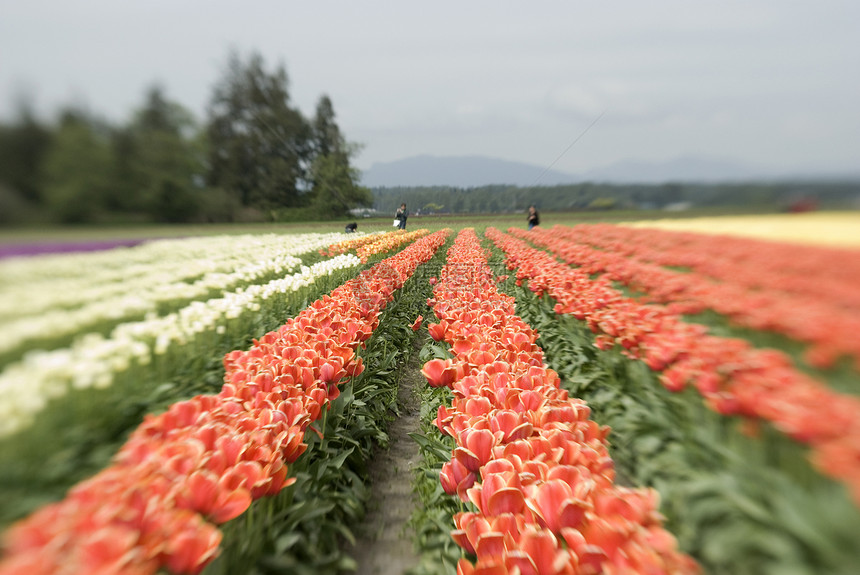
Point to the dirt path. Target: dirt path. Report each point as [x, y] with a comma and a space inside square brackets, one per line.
[384, 545]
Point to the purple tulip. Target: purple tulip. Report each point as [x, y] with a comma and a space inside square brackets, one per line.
[40, 248]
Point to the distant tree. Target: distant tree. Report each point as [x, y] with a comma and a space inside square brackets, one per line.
[13, 209]
[23, 147]
[335, 183]
[601, 203]
[173, 202]
[125, 172]
[159, 155]
[259, 145]
[77, 168]
[161, 115]
[327, 137]
[670, 193]
[336, 189]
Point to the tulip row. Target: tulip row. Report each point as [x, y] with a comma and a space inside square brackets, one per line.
[830, 327]
[546, 502]
[827, 273]
[204, 460]
[95, 361]
[156, 291]
[350, 244]
[36, 285]
[387, 242]
[733, 490]
[28, 249]
[732, 376]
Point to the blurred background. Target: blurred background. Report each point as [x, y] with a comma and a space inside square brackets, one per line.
[216, 112]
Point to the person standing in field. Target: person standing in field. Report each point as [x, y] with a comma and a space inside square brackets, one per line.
[534, 218]
[402, 214]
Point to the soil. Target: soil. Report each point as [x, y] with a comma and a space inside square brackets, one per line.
[384, 541]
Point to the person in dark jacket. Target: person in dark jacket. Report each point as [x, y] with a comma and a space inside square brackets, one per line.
[402, 214]
[534, 218]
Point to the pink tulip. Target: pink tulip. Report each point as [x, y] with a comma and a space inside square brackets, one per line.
[438, 372]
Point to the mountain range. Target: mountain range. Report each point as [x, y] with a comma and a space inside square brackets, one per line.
[474, 171]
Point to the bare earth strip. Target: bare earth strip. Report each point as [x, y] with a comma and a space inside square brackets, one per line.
[384, 542]
[833, 229]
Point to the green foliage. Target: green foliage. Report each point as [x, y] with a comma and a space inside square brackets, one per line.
[173, 202]
[602, 204]
[13, 208]
[257, 157]
[77, 167]
[160, 157]
[327, 138]
[23, 146]
[335, 184]
[84, 169]
[259, 143]
[432, 520]
[336, 189]
[432, 207]
[217, 205]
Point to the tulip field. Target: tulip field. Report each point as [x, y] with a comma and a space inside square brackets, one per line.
[592, 399]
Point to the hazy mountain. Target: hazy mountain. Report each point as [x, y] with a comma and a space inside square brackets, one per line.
[472, 171]
[683, 169]
[459, 171]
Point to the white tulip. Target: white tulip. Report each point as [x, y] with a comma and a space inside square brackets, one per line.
[93, 361]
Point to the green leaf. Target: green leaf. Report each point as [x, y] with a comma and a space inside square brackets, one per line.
[337, 462]
[286, 541]
[304, 511]
[648, 444]
[345, 532]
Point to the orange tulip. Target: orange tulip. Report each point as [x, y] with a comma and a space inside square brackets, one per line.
[438, 372]
[540, 459]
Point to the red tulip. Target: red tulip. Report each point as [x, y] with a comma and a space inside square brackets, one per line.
[557, 507]
[438, 372]
[543, 550]
[192, 545]
[555, 458]
[437, 330]
[478, 443]
[113, 550]
[498, 465]
[491, 545]
[456, 478]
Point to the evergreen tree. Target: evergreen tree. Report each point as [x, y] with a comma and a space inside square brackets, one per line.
[77, 168]
[326, 133]
[259, 144]
[23, 147]
[336, 189]
[165, 159]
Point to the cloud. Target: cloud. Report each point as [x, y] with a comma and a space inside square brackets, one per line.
[765, 80]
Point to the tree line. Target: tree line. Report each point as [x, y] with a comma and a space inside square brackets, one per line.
[593, 196]
[254, 158]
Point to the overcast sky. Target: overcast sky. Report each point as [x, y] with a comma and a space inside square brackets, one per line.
[773, 83]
